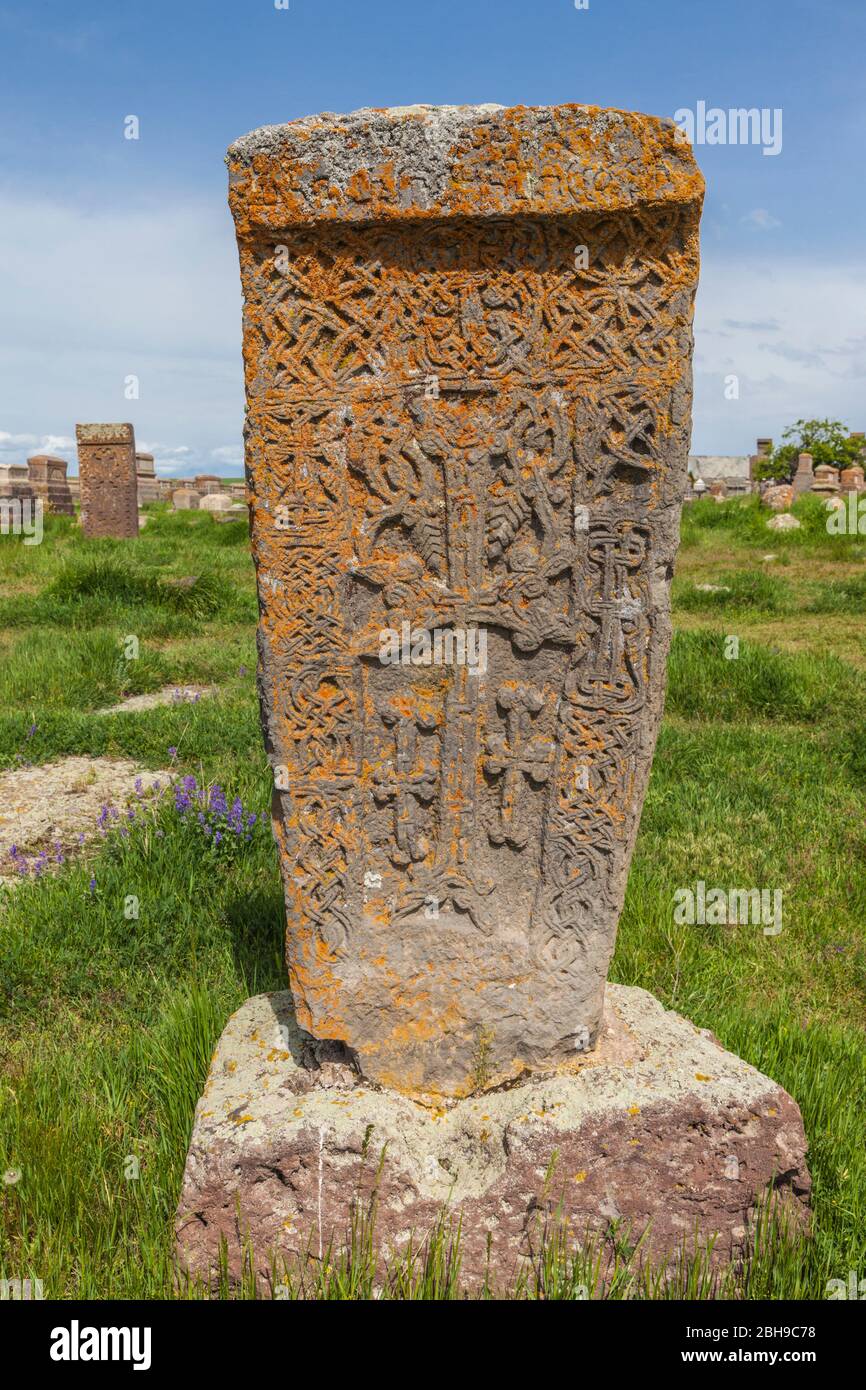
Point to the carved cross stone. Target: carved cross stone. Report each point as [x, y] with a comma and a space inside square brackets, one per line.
[109, 487]
[467, 341]
[516, 756]
[405, 781]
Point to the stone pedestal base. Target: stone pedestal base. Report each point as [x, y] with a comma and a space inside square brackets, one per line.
[659, 1129]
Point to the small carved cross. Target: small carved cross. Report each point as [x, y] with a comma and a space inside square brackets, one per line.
[517, 756]
[406, 780]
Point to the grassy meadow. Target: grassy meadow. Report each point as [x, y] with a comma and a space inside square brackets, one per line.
[107, 1024]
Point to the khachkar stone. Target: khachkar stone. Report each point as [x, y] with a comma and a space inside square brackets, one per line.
[146, 480]
[47, 476]
[467, 347]
[109, 485]
[467, 350]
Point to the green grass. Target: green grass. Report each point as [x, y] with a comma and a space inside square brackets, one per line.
[107, 1024]
[743, 589]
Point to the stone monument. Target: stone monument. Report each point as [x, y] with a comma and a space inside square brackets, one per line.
[185, 499]
[208, 484]
[15, 483]
[851, 479]
[804, 477]
[826, 480]
[467, 342]
[47, 475]
[147, 481]
[216, 502]
[109, 489]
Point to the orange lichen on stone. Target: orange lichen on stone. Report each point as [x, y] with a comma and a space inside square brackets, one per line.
[457, 425]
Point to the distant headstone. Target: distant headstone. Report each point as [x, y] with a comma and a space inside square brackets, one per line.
[109, 491]
[826, 479]
[216, 502]
[209, 483]
[15, 482]
[148, 485]
[852, 479]
[47, 475]
[185, 499]
[804, 477]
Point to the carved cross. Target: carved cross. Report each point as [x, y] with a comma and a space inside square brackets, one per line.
[406, 780]
[517, 757]
[615, 555]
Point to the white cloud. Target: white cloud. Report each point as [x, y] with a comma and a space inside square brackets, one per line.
[16, 448]
[762, 219]
[232, 455]
[91, 296]
[804, 317]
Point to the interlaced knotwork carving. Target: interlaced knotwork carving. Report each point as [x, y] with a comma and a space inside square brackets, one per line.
[462, 427]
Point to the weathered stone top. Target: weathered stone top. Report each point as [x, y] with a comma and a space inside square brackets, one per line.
[45, 458]
[104, 434]
[429, 162]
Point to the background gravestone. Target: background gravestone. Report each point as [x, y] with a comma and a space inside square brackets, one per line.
[185, 499]
[148, 485]
[108, 480]
[47, 475]
[468, 347]
[15, 483]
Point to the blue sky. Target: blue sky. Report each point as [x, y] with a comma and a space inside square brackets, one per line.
[117, 257]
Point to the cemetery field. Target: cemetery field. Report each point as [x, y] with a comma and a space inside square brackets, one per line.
[124, 948]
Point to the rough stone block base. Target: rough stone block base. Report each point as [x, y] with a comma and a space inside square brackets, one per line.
[659, 1128]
